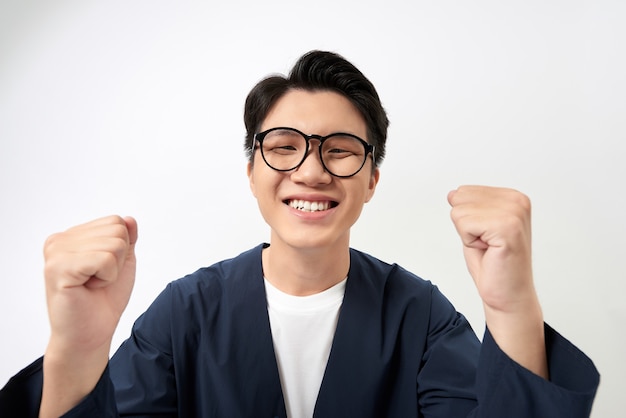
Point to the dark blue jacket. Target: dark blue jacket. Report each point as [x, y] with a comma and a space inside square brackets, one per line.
[204, 349]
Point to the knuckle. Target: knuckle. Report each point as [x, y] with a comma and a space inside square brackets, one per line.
[119, 231]
[520, 199]
[51, 241]
[525, 202]
[119, 245]
[116, 219]
[50, 268]
[109, 259]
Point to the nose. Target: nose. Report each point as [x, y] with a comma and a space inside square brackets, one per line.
[311, 171]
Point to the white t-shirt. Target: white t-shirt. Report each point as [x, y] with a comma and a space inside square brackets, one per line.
[302, 330]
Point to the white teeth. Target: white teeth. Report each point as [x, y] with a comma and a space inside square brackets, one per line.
[308, 206]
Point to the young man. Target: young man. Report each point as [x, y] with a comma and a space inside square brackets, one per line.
[306, 326]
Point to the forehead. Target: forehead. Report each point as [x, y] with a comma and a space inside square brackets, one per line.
[316, 112]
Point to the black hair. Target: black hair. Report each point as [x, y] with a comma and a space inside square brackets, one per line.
[319, 70]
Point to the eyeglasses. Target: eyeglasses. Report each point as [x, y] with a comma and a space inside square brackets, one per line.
[285, 149]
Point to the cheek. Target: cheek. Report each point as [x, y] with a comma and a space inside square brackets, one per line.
[258, 178]
[264, 184]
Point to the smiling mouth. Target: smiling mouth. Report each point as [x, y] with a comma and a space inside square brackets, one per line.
[311, 206]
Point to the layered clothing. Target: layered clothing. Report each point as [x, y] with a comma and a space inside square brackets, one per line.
[400, 349]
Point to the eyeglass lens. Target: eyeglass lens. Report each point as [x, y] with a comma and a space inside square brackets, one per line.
[285, 149]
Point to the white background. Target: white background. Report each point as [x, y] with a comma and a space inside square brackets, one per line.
[134, 108]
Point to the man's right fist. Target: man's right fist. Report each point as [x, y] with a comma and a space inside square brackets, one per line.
[89, 273]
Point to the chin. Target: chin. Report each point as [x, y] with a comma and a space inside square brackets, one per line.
[308, 241]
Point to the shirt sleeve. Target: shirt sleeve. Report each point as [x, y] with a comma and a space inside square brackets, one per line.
[142, 369]
[505, 388]
[21, 396]
[460, 377]
[138, 381]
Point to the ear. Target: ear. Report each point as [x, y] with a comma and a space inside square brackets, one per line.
[250, 172]
[371, 188]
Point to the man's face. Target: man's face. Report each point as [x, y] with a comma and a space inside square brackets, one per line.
[340, 199]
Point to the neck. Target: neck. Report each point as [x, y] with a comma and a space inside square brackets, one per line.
[302, 272]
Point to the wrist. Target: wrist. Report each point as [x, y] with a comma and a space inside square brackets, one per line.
[69, 376]
[520, 334]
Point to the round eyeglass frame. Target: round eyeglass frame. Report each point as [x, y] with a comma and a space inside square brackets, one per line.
[369, 148]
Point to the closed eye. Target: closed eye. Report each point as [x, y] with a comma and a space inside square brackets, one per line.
[285, 149]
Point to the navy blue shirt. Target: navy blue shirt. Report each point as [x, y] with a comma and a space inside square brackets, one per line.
[204, 349]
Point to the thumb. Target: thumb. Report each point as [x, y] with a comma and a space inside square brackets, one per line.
[450, 196]
[131, 225]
